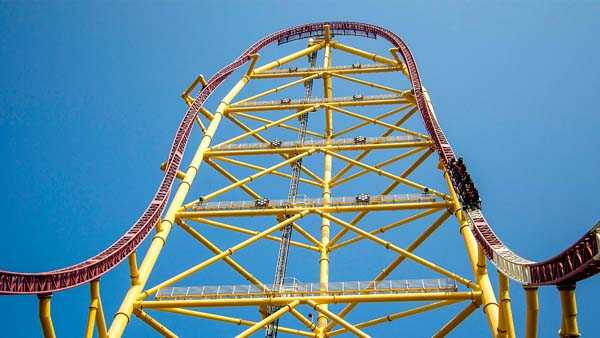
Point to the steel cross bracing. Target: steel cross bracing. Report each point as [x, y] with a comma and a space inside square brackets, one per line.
[460, 200]
[286, 233]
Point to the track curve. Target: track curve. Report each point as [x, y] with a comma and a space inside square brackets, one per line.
[579, 261]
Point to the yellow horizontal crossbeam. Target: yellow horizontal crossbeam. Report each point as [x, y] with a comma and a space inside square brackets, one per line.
[304, 72]
[338, 299]
[301, 104]
[329, 209]
[333, 147]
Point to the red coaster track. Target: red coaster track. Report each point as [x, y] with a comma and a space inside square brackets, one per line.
[579, 261]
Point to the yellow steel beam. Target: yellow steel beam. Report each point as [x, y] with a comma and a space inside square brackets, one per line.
[378, 122]
[270, 318]
[380, 117]
[366, 152]
[378, 165]
[133, 268]
[282, 125]
[251, 177]
[355, 69]
[331, 147]
[325, 299]
[309, 108]
[91, 319]
[370, 84]
[532, 309]
[294, 210]
[231, 320]
[276, 89]
[98, 309]
[232, 178]
[403, 252]
[308, 323]
[260, 168]
[252, 232]
[364, 54]
[288, 58]
[397, 315]
[382, 172]
[507, 329]
[454, 322]
[223, 254]
[476, 259]
[396, 262]
[392, 225]
[254, 58]
[306, 235]
[569, 327]
[153, 323]
[121, 318]
[216, 250]
[265, 141]
[326, 190]
[338, 319]
[186, 93]
[302, 104]
[45, 315]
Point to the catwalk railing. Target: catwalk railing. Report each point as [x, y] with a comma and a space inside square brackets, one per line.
[299, 289]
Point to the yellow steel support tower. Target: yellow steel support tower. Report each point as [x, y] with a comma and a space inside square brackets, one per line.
[395, 138]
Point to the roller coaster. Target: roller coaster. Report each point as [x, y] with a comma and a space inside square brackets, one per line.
[579, 261]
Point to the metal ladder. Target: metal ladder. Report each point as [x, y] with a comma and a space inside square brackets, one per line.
[286, 234]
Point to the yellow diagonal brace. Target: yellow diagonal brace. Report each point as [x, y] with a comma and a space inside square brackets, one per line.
[309, 324]
[232, 320]
[282, 125]
[268, 319]
[402, 252]
[364, 54]
[306, 234]
[154, 323]
[225, 253]
[456, 320]
[288, 58]
[378, 122]
[276, 89]
[397, 315]
[389, 227]
[251, 232]
[338, 319]
[381, 172]
[232, 178]
[366, 152]
[312, 108]
[216, 250]
[395, 263]
[257, 167]
[370, 84]
[263, 140]
[251, 177]
[378, 165]
[379, 117]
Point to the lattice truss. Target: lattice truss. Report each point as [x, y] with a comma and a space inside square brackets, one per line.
[370, 195]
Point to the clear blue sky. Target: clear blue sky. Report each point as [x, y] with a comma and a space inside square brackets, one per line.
[89, 102]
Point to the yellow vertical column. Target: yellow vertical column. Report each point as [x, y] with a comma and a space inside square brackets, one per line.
[477, 260]
[327, 163]
[531, 316]
[164, 227]
[506, 317]
[45, 318]
[569, 327]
